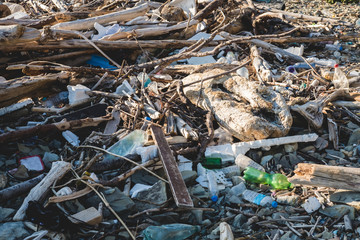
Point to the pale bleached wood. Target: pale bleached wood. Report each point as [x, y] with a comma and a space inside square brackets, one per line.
[57, 171]
[150, 32]
[87, 23]
[327, 176]
[10, 32]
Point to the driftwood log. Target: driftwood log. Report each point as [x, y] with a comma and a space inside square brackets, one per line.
[57, 171]
[327, 176]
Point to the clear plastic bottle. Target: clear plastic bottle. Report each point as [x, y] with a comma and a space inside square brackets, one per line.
[129, 143]
[258, 198]
[340, 80]
[213, 187]
[174, 231]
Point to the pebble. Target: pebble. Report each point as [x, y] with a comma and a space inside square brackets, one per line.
[13, 231]
[239, 220]
[3, 180]
[5, 213]
[189, 176]
[333, 154]
[49, 158]
[266, 159]
[337, 211]
[289, 148]
[355, 137]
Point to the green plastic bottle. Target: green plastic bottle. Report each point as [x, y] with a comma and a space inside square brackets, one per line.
[276, 181]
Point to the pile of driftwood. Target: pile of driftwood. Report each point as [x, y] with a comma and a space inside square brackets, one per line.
[193, 74]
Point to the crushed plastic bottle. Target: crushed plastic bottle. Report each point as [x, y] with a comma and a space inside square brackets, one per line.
[129, 143]
[213, 187]
[276, 181]
[340, 80]
[174, 231]
[257, 198]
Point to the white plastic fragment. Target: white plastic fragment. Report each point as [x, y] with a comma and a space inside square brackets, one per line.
[228, 151]
[124, 89]
[311, 205]
[185, 129]
[296, 50]
[105, 31]
[147, 153]
[153, 114]
[77, 93]
[64, 191]
[32, 163]
[71, 138]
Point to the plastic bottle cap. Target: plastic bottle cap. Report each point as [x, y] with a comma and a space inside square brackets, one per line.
[336, 65]
[215, 198]
[148, 118]
[274, 204]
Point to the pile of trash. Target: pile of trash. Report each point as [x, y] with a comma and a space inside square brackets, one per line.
[178, 120]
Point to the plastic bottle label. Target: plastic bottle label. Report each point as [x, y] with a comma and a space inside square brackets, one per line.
[258, 199]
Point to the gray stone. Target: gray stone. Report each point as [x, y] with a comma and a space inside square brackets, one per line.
[239, 220]
[327, 235]
[198, 214]
[49, 158]
[237, 180]
[233, 199]
[337, 211]
[294, 159]
[143, 177]
[199, 191]
[266, 159]
[264, 212]
[5, 213]
[355, 137]
[207, 222]
[289, 236]
[10, 162]
[189, 176]
[13, 231]
[156, 194]
[289, 148]
[352, 125]
[279, 215]
[117, 200]
[333, 154]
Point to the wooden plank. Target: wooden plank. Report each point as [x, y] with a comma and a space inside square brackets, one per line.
[177, 185]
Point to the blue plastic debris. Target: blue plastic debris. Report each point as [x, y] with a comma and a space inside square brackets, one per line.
[99, 61]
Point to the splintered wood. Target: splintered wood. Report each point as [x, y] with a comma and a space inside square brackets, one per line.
[327, 176]
[177, 184]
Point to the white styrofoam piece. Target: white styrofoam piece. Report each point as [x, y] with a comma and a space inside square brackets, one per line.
[77, 93]
[311, 205]
[147, 153]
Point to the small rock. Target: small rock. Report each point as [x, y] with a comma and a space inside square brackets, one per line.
[355, 137]
[207, 222]
[289, 148]
[327, 235]
[264, 212]
[289, 236]
[189, 176]
[308, 149]
[279, 215]
[239, 220]
[311, 205]
[337, 211]
[233, 199]
[237, 180]
[156, 194]
[199, 191]
[357, 23]
[333, 154]
[352, 125]
[13, 231]
[266, 159]
[294, 159]
[198, 214]
[49, 158]
[5, 213]
[117, 200]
